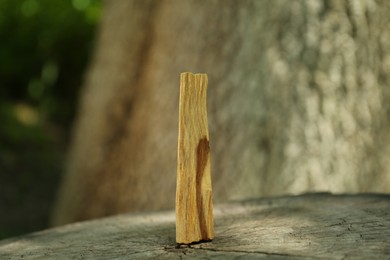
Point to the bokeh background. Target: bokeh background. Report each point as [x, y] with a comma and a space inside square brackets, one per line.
[298, 101]
[45, 46]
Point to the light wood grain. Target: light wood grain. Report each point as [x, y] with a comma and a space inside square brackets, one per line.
[320, 226]
[194, 209]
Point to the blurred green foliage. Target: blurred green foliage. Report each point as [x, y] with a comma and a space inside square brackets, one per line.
[45, 46]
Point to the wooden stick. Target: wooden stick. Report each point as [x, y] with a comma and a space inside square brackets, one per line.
[194, 208]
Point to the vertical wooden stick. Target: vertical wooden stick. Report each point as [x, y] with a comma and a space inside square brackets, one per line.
[194, 208]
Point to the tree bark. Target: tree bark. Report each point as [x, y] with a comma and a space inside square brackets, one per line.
[298, 101]
[309, 226]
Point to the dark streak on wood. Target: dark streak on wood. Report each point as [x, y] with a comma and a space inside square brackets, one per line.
[202, 153]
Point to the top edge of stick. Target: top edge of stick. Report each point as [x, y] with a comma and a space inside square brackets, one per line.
[196, 74]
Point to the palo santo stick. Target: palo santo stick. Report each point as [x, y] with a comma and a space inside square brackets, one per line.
[194, 208]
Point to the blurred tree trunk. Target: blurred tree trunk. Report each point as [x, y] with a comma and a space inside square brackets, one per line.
[298, 101]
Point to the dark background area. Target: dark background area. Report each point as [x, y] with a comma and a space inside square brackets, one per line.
[45, 46]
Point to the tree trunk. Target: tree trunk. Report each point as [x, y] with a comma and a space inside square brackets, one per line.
[298, 101]
[310, 226]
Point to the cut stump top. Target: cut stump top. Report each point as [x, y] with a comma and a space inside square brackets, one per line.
[311, 225]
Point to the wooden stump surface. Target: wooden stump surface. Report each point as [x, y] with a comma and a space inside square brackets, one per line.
[306, 226]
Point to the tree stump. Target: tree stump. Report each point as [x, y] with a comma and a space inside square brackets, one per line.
[308, 226]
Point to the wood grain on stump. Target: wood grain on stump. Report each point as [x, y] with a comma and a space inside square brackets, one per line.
[307, 226]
